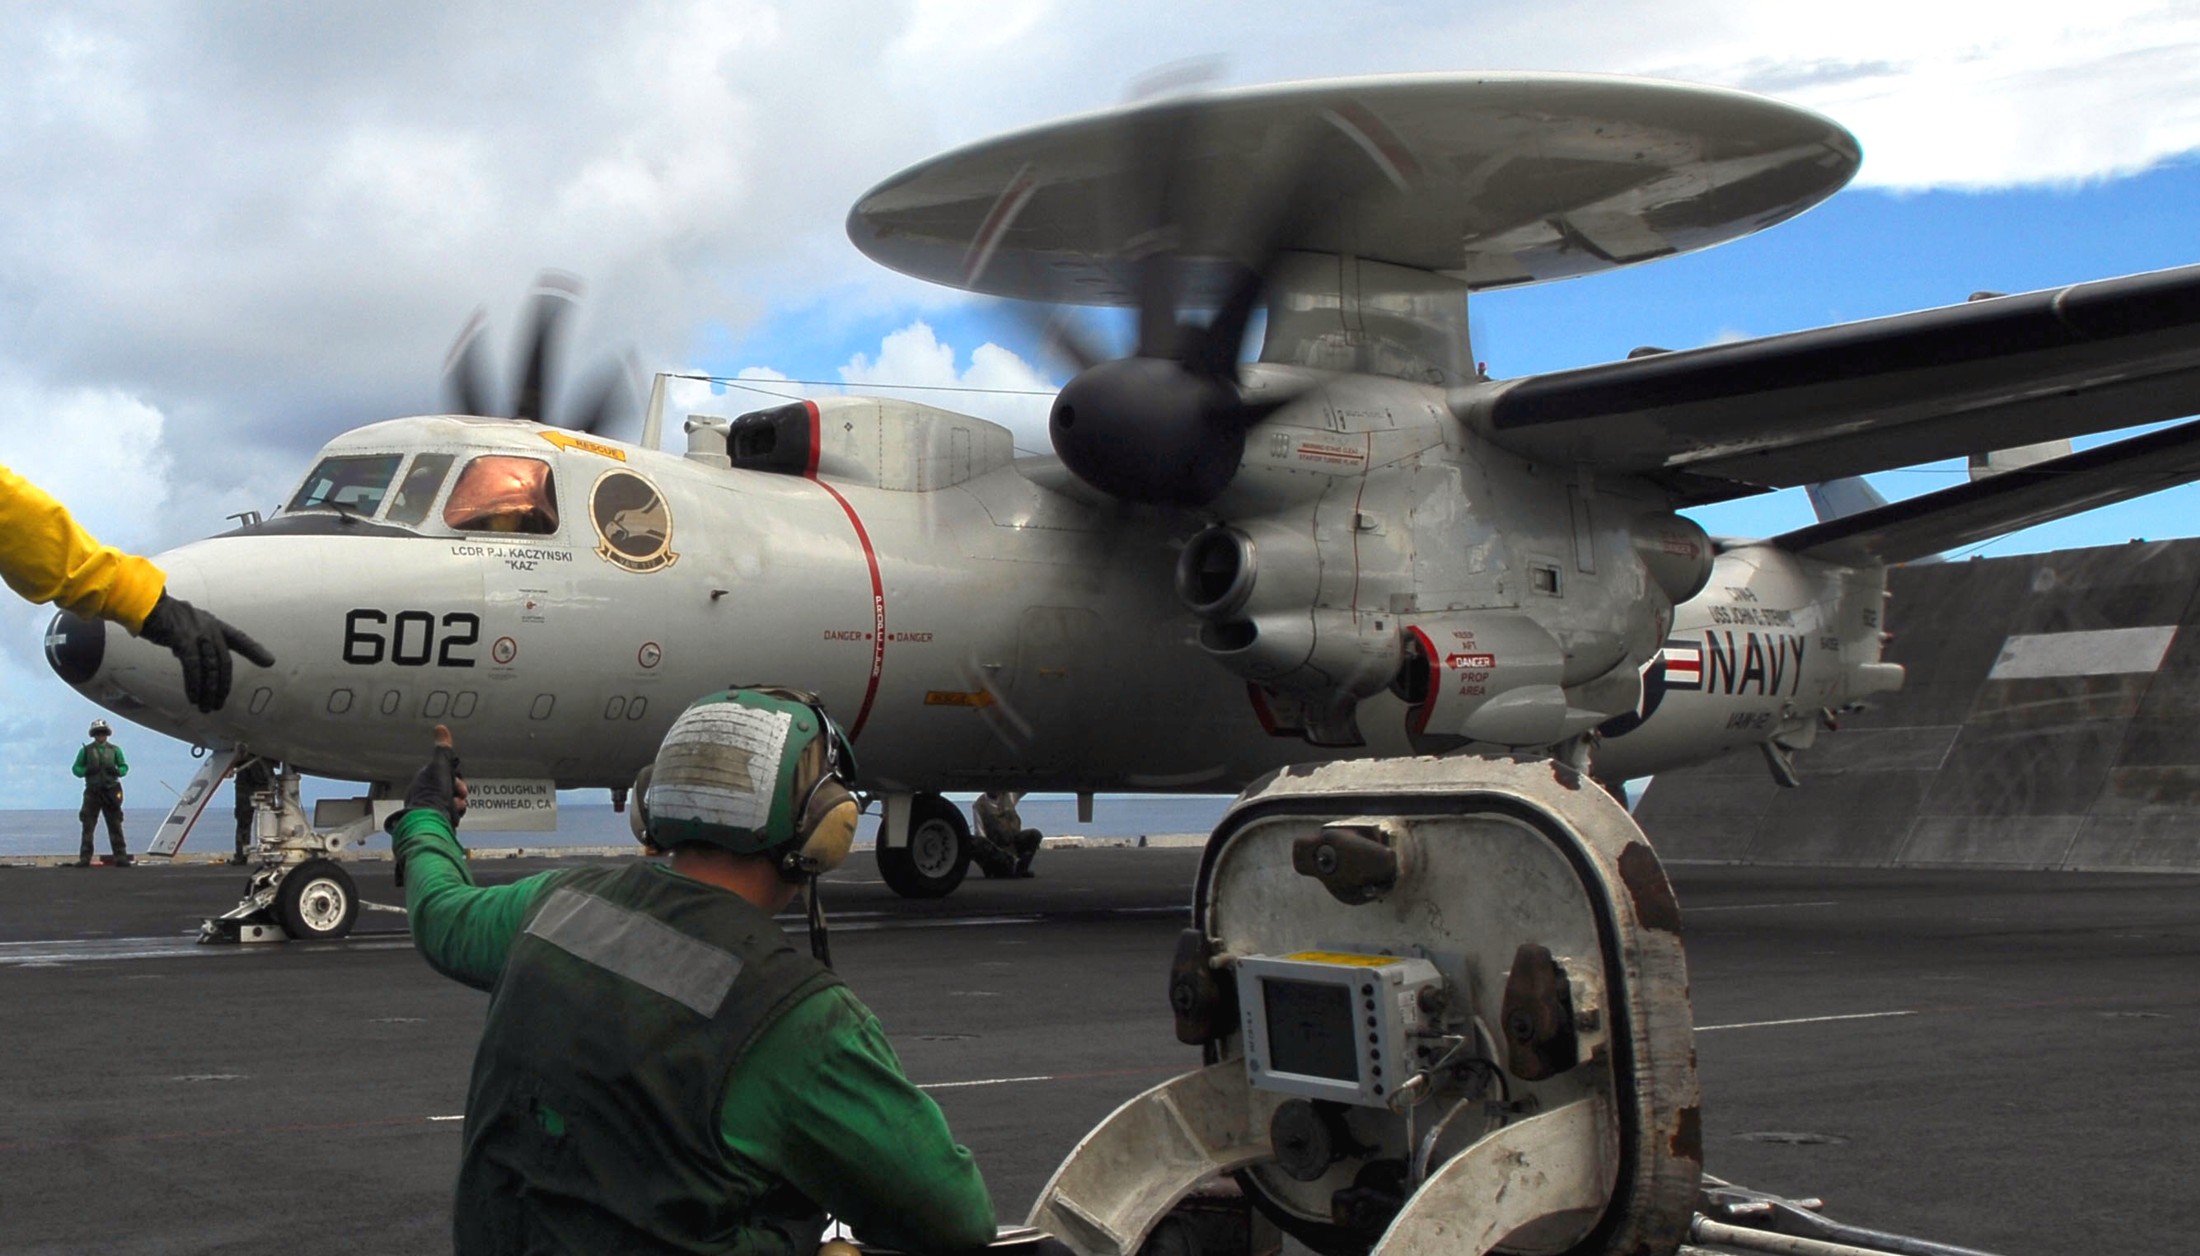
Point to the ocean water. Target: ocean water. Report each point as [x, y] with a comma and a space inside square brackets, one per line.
[595, 824]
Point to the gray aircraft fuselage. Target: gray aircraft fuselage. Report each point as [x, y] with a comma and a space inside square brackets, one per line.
[979, 621]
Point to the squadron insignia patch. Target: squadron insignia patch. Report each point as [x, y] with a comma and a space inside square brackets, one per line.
[633, 522]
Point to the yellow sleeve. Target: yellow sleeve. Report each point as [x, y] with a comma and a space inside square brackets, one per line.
[46, 557]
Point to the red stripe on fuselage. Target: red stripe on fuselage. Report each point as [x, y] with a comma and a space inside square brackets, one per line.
[1417, 719]
[878, 586]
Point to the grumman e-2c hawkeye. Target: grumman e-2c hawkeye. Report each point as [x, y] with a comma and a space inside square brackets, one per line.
[1355, 545]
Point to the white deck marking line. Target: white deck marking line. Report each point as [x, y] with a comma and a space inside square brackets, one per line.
[458, 1116]
[1803, 1020]
[959, 922]
[988, 1081]
[1689, 911]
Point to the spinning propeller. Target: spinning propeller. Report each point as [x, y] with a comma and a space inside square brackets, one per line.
[1167, 423]
[608, 399]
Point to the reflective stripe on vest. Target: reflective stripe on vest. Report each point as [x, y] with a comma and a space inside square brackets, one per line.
[646, 952]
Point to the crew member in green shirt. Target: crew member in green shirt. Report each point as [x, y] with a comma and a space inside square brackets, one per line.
[662, 1071]
[101, 765]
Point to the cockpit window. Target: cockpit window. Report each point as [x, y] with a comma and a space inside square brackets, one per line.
[416, 492]
[350, 484]
[503, 493]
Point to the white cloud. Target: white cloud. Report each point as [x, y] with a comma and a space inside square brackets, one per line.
[1005, 388]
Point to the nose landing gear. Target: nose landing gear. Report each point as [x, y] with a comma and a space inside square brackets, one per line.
[299, 891]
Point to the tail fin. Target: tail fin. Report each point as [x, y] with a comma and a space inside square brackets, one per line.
[1838, 499]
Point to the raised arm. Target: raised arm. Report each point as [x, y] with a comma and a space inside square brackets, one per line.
[463, 930]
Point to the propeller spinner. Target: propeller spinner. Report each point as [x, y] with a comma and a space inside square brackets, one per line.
[1167, 424]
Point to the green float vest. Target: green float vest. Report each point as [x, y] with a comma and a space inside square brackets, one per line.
[593, 1121]
[99, 766]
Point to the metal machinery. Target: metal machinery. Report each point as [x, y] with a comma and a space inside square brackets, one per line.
[1445, 1010]
[296, 889]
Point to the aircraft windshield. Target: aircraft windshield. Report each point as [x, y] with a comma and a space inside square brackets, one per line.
[416, 492]
[351, 484]
[503, 493]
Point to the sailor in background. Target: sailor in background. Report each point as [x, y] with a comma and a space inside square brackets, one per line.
[102, 766]
[252, 777]
[1004, 848]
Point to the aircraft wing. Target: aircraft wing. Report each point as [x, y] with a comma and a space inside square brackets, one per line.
[1983, 509]
[1734, 419]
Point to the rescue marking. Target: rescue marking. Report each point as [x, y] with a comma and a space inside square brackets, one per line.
[878, 586]
[567, 442]
[1804, 1020]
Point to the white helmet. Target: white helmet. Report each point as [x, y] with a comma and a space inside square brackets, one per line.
[100, 729]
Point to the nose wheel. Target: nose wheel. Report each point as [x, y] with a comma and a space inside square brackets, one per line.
[317, 901]
[298, 891]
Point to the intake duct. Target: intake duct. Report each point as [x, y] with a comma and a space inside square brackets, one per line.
[1254, 587]
[1215, 574]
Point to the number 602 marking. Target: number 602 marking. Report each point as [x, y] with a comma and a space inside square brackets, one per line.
[413, 640]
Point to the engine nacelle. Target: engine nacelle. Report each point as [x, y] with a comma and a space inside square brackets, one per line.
[1676, 552]
[1253, 586]
[1485, 676]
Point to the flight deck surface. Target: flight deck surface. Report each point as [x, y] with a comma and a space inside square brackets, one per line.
[2002, 1060]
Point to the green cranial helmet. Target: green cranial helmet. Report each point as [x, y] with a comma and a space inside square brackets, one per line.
[738, 769]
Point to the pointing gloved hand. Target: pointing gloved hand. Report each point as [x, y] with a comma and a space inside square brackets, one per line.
[438, 787]
[201, 642]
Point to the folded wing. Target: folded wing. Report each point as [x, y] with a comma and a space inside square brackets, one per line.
[1983, 509]
[1735, 419]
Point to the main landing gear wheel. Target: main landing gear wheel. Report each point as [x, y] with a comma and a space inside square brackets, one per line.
[317, 901]
[937, 856]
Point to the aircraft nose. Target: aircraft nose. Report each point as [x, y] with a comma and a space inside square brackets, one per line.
[76, 647]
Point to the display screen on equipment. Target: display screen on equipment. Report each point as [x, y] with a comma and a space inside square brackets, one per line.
[1310, 1029]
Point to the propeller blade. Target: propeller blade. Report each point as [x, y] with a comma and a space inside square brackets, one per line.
[555, 296]
[1070, 341]
[610, 399]
[1151, 224]
[1277, 212]
[465, 374]
[1059, 335]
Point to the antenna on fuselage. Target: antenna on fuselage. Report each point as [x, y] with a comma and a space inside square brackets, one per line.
[653, 419]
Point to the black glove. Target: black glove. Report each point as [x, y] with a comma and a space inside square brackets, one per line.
[435, 785]
[202, 643]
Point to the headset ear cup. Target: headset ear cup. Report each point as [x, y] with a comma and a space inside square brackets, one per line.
[637, 812]
[829, 826]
